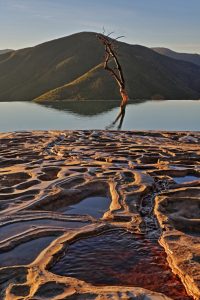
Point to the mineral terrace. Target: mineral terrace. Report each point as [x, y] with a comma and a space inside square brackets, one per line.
[99, 215]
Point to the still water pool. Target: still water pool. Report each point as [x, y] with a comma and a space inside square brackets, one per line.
[143, 115]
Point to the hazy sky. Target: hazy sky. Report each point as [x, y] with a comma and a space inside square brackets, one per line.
[167, 23]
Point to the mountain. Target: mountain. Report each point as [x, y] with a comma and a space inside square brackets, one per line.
[5, 51]
[71, 68]
[193, 58]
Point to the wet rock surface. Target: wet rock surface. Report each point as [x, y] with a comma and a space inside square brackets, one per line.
[105, 215]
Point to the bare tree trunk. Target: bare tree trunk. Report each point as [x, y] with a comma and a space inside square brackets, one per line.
[116, 72]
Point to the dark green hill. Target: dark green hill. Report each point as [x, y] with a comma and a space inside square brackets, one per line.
[189, 57]
[94, 84]
[70, 68]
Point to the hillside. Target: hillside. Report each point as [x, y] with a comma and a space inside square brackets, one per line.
[70, 68]
[193, 58]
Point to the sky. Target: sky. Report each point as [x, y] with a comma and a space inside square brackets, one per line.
[173, 24]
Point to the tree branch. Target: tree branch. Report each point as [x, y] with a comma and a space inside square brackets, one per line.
[110, 54]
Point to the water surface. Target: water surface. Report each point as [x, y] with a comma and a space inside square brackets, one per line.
[146, 115]
[121, 258]
[93, 206]
[185, 179]
[24, 253]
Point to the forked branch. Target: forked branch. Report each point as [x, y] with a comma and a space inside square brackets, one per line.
[116, 71]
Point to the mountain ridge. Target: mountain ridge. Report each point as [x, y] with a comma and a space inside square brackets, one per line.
[189, 57]
[71, 68]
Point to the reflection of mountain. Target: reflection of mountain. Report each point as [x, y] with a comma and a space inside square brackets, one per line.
[86, 108]
[70, 68]
[5, 51]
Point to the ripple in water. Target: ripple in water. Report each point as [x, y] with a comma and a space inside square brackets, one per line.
[121, 258]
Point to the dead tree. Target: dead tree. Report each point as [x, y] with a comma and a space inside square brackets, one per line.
[116, 72]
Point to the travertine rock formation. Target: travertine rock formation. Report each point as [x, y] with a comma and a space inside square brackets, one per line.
[144, 223]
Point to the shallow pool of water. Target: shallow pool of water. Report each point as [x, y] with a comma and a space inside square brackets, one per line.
[121, 258]
[93, 206]
[15, 228]
[185, 179]
[25, 253]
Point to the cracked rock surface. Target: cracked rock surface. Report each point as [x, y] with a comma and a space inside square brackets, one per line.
[100, 215]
